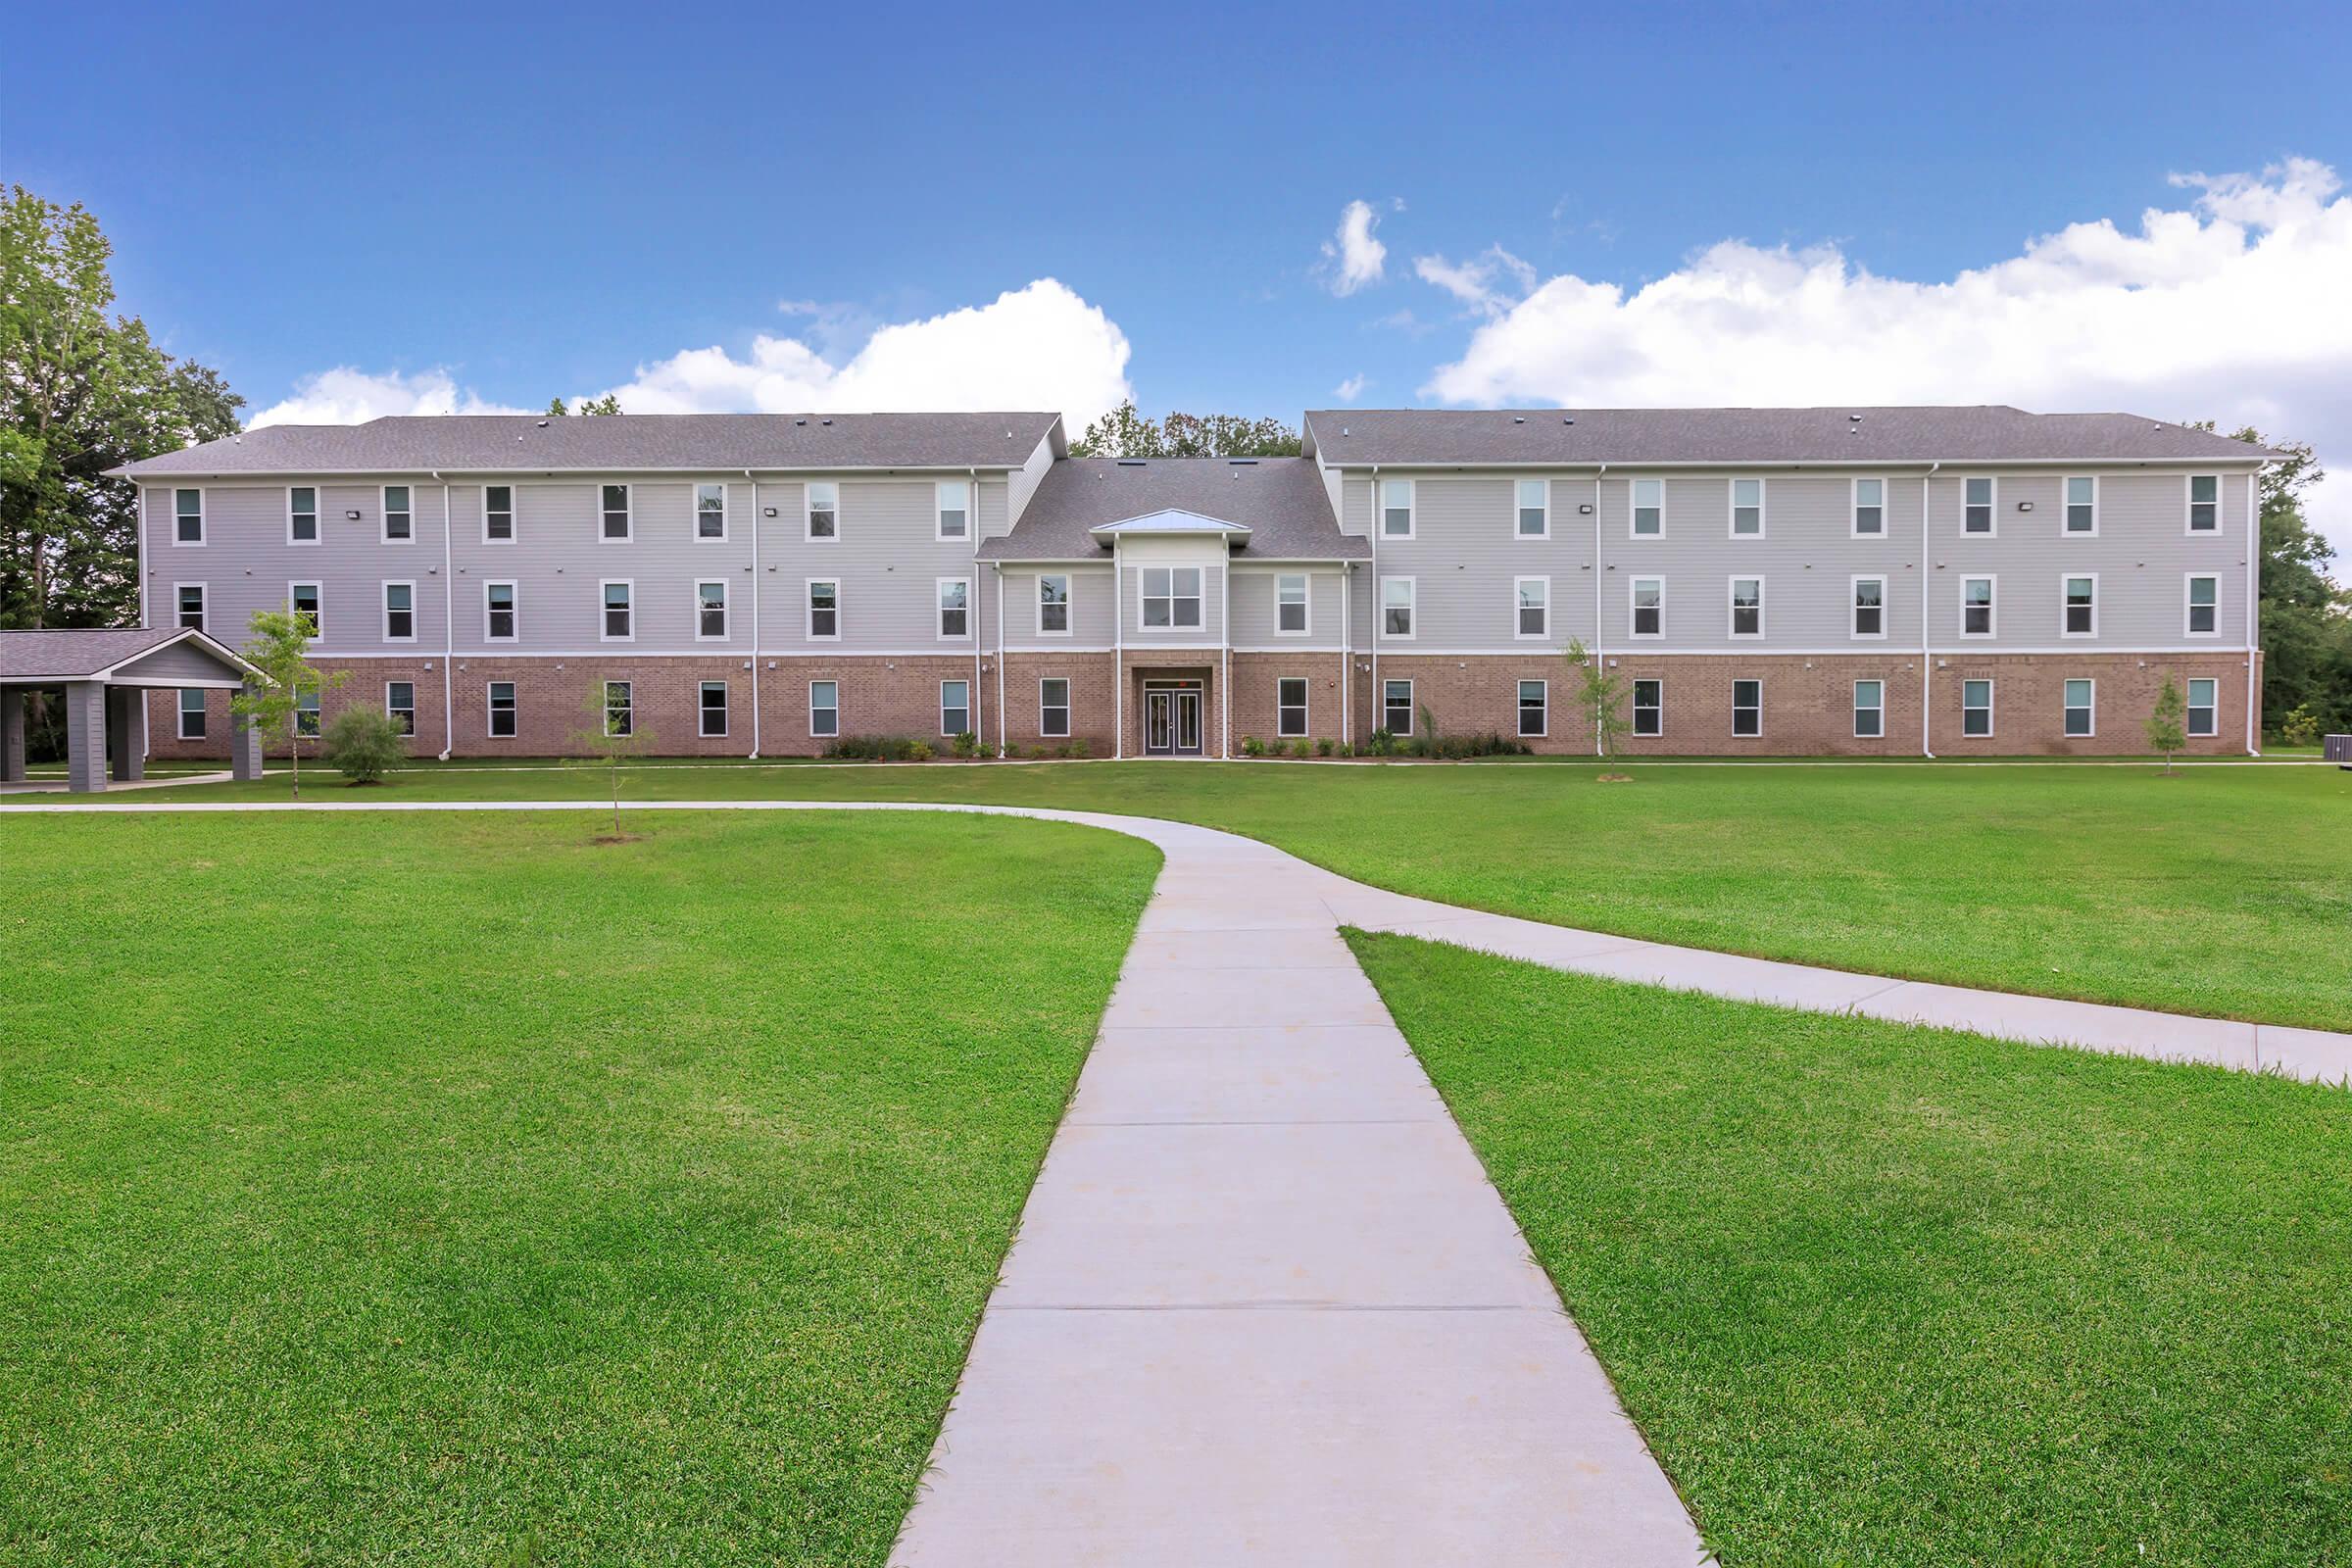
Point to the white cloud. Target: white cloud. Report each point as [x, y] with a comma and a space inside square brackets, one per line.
[2232, 308]
[348, 396]
[1350, 390]
[1354, 256]
[1490, 282]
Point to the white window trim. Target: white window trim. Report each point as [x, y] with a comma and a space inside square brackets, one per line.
[204, 527]
[808, 630]
[1305, 706]
[2093, 705]
[835, 732]
[629, 707]
[514, 599]
[965, 681]
[514, 513]
[1731, 614]
[1067, 706]
[1542, 488]
[1306, 603]
[2188, 612]
[1854, 709]
[180, 715]
[2066, 508]
[1994, 510]
[1992, 621]
[384, 604]
[1519, 709]
[1992, 697]
[629, 512]
[1412, 609]
[693, 518]
[1517, 635]
[1631, 588]
[203, 616]
[1633, 705]
[1143, 596]
[389, 710]
[808, 533]
[1853, 588]
[939, 507]
[2189, 706]
[317, 621]
[384, 513]
[2188, 506]
[1731, 508]
[490, 711]
[939, 610]
[1412, 509]
[1633, 508]
[1413, 703]
[1069, 603]
[702, 711]
[2064, 578]
[726, 610]
[1756, 681]
[318, 517]
[1853, 507]
[602, 632]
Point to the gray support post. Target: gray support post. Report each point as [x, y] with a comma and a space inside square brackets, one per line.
[244, 747]
[125, 762]
[12, 735]
[85, 737]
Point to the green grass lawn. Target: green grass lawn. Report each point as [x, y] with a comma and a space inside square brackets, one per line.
[1896, 1296]
[456, 1190]
[2223, 891]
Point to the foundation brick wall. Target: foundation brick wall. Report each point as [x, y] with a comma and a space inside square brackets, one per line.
[1472, 694]
[1093, 687]
[2028, 697]
[878, 697]
[1256, 696]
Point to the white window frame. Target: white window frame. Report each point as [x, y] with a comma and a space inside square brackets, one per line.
[1853, 607]
[513, 507]
[1731, 607]
[835, 732]
[1304, 600]
[1413, 611]
[1303, 704]
[628, 706]
[2188, 603]
[318, 614]
[1993, 505]
[809, 610]
[2066, 508]
[2212, 710]
[939, 509]
[1198, 599]
[513, 609]
[604, 623]
[2091, 708]
[203, 529]
[384, 513]
[1381, 508]
[809, 510]
[1070, 598]
[1044, 708]
[1544, 707]
[2093, 578]
[1731, 513]
[940, 608]
[490, 709]
[318, 524]
[701, 710]
[629, 512]
[1633, 608]
[391, 711]
[1411, 705]
[964, 681]
[1992, 606]
[2189, 505]
[1520, 507]
[1857, 709]
[694, 512]
[1633, 509]
[1543, 633]
[1757, 681]
[309, 715]
[726, 610]
[204, 605]
[1854, 505]
[1634, 701]
[1990, 696]
[384, 600]
[180, 715]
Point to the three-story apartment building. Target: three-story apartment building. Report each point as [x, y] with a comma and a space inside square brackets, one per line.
[1877, 581]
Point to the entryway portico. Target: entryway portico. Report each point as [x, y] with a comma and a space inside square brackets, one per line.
[104, 677]
[1174, 710]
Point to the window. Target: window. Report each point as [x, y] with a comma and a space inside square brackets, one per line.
[1052, 607]
[1869, 707]
[954, 707]
[187, 514]
[1533, 614]
[302, 515]
[613, 501]
[1171, 596]
[400, 612]
[497, 514]
[501, 709]
[2082, 702]
[2083, 506]
[1054, 706]
[710, 511]
[1976, 606]
[825, 609]
[1869, 509]
[1747, 606]
[1649, 708]
[1396, 606]
[1396, 508]
[1535, 509]
[1533, 707]
[710, 611]
[2204, 502]
[1289, 706]
[620, 709]
[400, 524]
[954, 509]
[190, 599]
[400, 704]
[498, 611]
[1975, 506]
[954, 606]
[1649, 606]
[619, 614]
[710, 710]
[824, 707]
[306, 713]
[2204, 606]
[1649, 508]
[1976, 708]
[302, 598]
[1870, 607]
[824, 509]
[2203, 706]
[1748, 707]
[192, 714]
[2082, 596]
[1747, 509]
[1290, 604]
[1397, 706]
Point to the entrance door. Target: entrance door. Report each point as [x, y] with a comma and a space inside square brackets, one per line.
[1172, 722]
[1187, 723]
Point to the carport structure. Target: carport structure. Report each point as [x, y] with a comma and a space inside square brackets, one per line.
[104, 677]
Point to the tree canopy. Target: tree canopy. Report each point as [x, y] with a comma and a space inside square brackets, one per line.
[1125, 433]
[610, 403]
[2306, 613]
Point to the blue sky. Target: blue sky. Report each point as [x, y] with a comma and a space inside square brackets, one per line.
[543, 203]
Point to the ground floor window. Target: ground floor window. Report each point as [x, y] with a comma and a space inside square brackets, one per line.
[1649, 708]
[1397, 706]
[1289, 706]
[1870, 709]
[713, 709]
[192, 714]
[2203, 706]
[954, 707]
[501, 709]
[1976, 708]
[1748, 707]
[824, 707]
[2082, 702]
[621, 707]
[400, 704]
[1054, 706]
[306, 713]
[1535, 708]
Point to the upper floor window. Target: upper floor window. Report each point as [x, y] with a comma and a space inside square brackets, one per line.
[1290, 604]
[2083, 506]
[1976, 505]
[1869, 508]
[400, 612]
[824, 509]
[1289, 706]
[1533, 606]
[2204, 502]
[620, 615]
[621, 707]
[825, 609]
[2203, 705]
[954, 509]
[1535, 509]
[497, 514]
[1397, 509]
[710, 611]
[1535, 708]
[187, 516]
[302, 598]
[302, 515]
[1054, 605]
[498, 611]
[954, 606]
[1747, 509]
[2082, 599]
[189, 600]
[1976, 606]
[1747, 606]
[1870, 607]
[2204, 606]
[1396, 606]
[612, 501]
[1171, 596]
[400, 523]
[1649, 606]
[1649, 508]
[1748, 707]
[710, 511]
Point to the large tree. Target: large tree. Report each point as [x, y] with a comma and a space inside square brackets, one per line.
[1125, 433]
[80, 391]
[2306, 615]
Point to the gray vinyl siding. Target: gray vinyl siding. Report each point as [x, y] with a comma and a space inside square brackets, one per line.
[1091, 618]
[1022, 484]
[1253, 608]
[1137, 555]
[181, 662]
[886, 560]
[1466, 558]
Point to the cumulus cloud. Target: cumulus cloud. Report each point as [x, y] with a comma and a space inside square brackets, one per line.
[1354, 256]
[2230, 307]
[348, 396]
[1350, 390]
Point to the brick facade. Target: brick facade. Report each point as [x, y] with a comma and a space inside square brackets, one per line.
[1257, 697]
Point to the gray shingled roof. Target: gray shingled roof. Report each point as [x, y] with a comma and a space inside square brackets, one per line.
[77, 655]
[1990, 433]
[523, 443]
[1280, 500]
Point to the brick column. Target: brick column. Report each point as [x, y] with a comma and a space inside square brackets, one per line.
[85, 737]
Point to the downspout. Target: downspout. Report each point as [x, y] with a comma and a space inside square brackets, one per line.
[997, 570]
[1225, 652]
[1346, 648]
[755, 484]
[146, 740]
[1380, 701]
[971, 607]
[1599, 607]
[449, 630]
[1118, 647]
[1926, 663]
[2253, 610]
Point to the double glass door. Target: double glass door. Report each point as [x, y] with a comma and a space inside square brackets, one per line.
[1172, 722]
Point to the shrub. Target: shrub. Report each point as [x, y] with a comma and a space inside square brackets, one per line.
[362, 742]
[966, 744]
[1323, 747]
[919, 752]
[2300, 726]
[1078, 747]
[876, 748]
[1381, 744]
[1252, 746]
[1346, 748]
[1303, 747]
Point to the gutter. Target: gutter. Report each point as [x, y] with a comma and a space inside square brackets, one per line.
[1926, 663]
